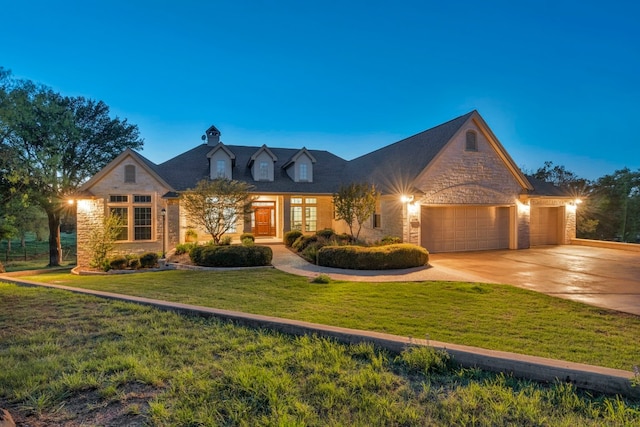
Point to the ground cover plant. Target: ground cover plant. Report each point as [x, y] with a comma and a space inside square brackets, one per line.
[499, 317]
[87, 361]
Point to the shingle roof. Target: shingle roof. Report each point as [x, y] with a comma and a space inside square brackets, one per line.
[394, 167]
[186, 169]
[544, 188]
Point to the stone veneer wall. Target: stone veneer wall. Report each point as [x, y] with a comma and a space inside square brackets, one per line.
[90, 214]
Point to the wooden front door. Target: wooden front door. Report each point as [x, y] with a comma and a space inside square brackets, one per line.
[264, 225]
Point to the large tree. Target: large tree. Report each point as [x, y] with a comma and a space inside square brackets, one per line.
[51, 144]
[618, 195]
[215, 205]
[354, 204]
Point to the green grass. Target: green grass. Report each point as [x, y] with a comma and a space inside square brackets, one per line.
[496, 317]
[35, 254]
[68, 359]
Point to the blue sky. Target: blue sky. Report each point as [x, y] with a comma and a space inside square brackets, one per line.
[555, 80]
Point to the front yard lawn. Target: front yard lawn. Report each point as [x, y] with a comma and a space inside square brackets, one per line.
[496, 317]
[69, 359]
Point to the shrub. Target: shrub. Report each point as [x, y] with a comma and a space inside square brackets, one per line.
[291, 236]
[118, 262]
[184, 248]
[390, 240]
[310, 252]
[191, 235]
[248, 242]
[231, 256]
[327, 233]
[303, 241]
[244, 236]
[373, 258]
[149, 260]
[225, 240]
[134, 263]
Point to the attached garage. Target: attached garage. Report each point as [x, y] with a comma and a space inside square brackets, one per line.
[468, 228]
[544, 225]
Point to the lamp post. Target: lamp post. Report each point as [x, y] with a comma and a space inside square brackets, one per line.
[163, 212]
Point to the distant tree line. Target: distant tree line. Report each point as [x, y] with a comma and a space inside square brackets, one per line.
[610, 208]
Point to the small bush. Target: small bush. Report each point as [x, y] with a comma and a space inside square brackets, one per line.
[149, 260]
[291, 236]
[390, 240]
[244, 236]
[248, 242]
[327, 233]
[118, 262]
[321, 278]
[191, 235]
[373, 258]
[310, 252]
[184, 248]
[303, 241]
[225, 240]
[231, 256]
[134, 263]
[425, 360]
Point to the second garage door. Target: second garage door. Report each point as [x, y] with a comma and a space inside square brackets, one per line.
[471, 228]
[544, 225]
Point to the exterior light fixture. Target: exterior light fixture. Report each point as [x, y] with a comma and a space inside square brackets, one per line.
[70, 202]
[406, 199]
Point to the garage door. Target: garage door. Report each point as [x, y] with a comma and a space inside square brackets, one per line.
[544, 226]
[453, 229]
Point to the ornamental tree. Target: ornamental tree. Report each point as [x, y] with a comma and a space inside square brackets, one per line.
[215, 205]
[354, 204]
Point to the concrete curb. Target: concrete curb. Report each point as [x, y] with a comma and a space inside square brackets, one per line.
[589, 377]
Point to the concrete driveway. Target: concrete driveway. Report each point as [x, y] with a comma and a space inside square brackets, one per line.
[608, 278]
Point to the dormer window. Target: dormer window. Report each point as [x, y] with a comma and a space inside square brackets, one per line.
[130, 174]
[261, 164]
[221, 162]
[300, 166]
[472, 141]
[221, 169]
[264, 171]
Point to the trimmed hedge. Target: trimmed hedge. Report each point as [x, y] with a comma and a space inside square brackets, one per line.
[231, 256]
[387, 257]
[149, 260]
[291, 236]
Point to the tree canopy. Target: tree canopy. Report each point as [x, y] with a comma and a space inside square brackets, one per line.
[215, 205]
[354, 204]
[50, 144]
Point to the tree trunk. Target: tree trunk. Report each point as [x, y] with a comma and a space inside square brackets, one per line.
[55, 248]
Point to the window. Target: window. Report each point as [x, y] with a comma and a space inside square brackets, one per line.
[221, 169]
[136, 213]
[376, 220]
[308, 222]
[264, 170]
[304, 176]
[472, 142]
[129, 174]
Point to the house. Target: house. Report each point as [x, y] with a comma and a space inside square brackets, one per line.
[450, 188]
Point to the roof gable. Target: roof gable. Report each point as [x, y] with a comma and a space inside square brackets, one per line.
[146, 164]
[296, 156]
[261, 150]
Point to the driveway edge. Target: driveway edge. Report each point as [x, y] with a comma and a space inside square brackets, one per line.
[540, 369]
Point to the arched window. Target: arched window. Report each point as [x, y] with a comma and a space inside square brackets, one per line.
[472, 141]
[130, 173]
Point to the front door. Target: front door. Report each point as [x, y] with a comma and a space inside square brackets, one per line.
[264, 221]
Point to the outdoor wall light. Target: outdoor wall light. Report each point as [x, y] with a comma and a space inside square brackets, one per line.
[406, 199]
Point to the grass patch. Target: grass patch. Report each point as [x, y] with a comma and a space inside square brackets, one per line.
[69, 359]
[35, 253]
[499, 317]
